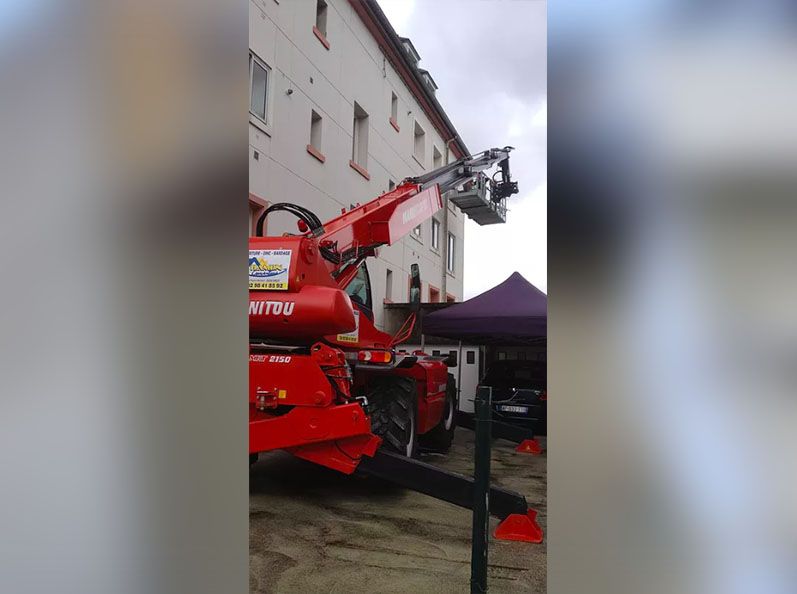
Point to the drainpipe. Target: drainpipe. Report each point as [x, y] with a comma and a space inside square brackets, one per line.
[444, 252]
[444, 239]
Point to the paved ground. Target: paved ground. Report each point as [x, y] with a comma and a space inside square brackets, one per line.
[313, 530]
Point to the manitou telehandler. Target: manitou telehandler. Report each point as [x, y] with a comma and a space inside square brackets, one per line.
[324, 382]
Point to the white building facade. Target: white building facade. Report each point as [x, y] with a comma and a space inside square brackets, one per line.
[340, 113]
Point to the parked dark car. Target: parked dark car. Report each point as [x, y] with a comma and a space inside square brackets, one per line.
[519, 393]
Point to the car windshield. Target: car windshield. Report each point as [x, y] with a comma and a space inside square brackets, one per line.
[515, 375]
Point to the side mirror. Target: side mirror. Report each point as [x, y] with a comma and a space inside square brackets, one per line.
[415, 288]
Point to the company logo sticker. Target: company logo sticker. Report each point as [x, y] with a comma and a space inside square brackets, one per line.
[354, 335]
[269, 269]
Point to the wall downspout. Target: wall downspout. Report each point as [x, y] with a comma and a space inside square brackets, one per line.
[444, 251]
[444, 240]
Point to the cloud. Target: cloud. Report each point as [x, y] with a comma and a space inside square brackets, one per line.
[489, 59]
[540, 118]
[398, 12]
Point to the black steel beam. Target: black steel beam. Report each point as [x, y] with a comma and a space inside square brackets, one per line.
[439, 483]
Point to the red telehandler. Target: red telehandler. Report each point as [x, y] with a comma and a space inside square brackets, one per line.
[324, 382]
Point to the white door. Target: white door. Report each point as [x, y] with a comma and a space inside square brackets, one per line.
[466, 373]
[468, 370]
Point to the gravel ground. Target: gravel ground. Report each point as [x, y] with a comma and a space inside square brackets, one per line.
[315, 530]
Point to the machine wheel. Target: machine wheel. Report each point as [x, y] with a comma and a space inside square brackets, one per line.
[440, 438]
[252, 459]
[393, 410]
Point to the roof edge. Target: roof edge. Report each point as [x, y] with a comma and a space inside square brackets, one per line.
[392, 46]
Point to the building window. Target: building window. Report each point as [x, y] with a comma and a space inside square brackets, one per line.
[419, 151]
[315, 130]
[321, 17]
[359, 146]
[259, 79]
[437, 158]
[435, 234]
[470, 357]
[314, 148]
[434, 294]
[394, 111]
[389, 286]
[450, 258]
[450, 298]
[411, 51]
[416, 233]
[411, 290]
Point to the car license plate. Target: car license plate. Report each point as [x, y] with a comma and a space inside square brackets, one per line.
[513, 409]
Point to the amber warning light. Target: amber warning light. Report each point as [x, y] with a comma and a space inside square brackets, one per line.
[375, 356]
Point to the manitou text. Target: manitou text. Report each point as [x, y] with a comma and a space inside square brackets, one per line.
[271, 308]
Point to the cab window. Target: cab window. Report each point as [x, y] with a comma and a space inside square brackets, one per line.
[359, 290]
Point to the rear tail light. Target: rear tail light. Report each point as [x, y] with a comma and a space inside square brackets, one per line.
[383, 357]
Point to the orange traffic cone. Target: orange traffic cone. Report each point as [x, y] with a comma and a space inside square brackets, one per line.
[529, 446]
[521, 527]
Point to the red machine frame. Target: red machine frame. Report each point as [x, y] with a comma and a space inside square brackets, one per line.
[312, 349]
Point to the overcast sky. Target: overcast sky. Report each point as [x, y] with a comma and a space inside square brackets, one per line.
[489, 59]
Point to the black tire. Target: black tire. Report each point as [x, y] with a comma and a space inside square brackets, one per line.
[252, 459]
[441, 437]
[393, 410]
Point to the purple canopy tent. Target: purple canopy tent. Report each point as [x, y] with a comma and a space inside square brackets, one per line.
[514, 312]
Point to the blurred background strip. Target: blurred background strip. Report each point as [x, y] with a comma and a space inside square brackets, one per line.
[672, 288]
[123, 327]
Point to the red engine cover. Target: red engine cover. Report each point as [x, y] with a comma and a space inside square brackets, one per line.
[291, 293]
[305, 315]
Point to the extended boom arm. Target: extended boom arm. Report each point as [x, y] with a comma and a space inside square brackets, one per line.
[348, 239]
[455, 174]
[355, 234]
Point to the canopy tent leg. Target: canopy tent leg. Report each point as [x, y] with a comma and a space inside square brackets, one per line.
[459, 374]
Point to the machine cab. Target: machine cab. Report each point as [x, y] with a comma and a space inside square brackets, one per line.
[359, 291]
